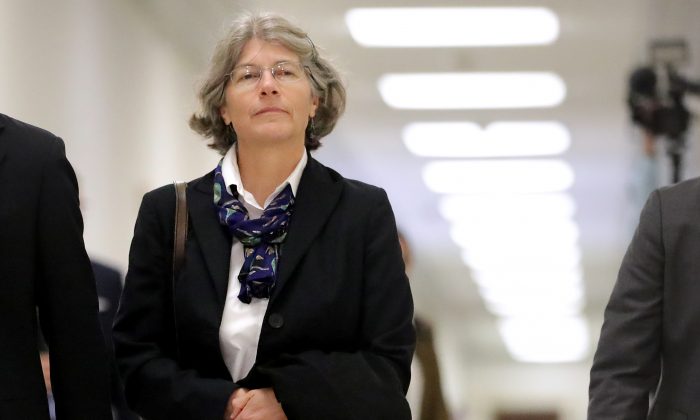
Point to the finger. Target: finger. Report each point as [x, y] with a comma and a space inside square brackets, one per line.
[239, 403]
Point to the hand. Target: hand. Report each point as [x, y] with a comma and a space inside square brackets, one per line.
[260, 404]
[238, 399]
[46, 369]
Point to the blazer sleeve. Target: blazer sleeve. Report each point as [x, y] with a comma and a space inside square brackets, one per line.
[369, 382]
[155, 385]
[66, 296]
[627, 363]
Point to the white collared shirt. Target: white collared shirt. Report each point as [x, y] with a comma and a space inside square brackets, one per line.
[241, 323]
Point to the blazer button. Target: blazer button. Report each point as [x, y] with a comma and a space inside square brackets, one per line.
[275, 320]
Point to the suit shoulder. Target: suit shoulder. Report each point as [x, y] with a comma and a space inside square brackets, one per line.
[684, 188]
[162, 194]
[679, 202]
[165, 194]
[355, 187]
[363, 188]
[351, 187]
[32, 138]
[361, 192]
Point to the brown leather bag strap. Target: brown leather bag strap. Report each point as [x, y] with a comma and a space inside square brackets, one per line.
[179, 238]
[180, 228]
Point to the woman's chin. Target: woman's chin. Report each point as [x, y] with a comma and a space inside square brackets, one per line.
[277, 133]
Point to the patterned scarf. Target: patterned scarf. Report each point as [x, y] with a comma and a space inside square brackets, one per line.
[261, 238]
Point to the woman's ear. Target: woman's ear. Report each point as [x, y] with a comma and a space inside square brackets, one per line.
[223, 111]
[314, 106]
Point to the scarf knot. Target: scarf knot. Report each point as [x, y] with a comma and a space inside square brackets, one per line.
[261, 238]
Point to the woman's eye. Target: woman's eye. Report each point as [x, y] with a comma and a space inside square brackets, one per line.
[247, 75]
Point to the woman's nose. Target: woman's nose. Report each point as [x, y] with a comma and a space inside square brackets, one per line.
[268, 84]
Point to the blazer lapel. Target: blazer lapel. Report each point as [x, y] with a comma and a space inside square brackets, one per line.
[316, 198]
[212, 237]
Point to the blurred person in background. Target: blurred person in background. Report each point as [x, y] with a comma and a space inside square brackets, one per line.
[109, 288]
[292, 301]
[44, 269]
[647, 365]
[425, 392]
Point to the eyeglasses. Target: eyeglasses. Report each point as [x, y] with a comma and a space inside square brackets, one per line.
[248, 76]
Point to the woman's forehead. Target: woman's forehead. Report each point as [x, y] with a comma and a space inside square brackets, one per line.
[257, 51]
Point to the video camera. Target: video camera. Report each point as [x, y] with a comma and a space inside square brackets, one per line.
[655, 97]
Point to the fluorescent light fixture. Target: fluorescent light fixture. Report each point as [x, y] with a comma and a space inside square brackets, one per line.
[552, 257]
[507, 234]
[500, 139]
[535, 308]
[534, 296]
[472, 90]
[498, 176]
[525, 207]
[541, 250]
[452, 27]
[555, 304]
[545, 339]
[564, 258]
[516, 277]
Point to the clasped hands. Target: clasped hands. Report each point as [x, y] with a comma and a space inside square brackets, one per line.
[254, 404]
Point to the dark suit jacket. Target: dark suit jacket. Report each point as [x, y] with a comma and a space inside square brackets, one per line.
[109, 290]
[337, 338]
[43, 264]
[649, 344]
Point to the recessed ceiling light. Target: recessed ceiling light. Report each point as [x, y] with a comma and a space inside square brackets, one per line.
[472, 90]
[500, 139]
[452, 27]
[507, 277]
[563, 259]
[522, 207]
[492, 232]
[498, 176]
[530, 302]
[545, 339]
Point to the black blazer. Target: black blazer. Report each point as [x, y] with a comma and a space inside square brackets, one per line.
[648, 360]
[43, 264]
[337, 339]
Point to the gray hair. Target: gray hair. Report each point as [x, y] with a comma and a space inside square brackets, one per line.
[324, 79]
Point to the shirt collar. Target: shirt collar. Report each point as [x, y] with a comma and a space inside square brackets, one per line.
[232, 176]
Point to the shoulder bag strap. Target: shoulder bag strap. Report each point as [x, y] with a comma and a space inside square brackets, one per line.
[179, 238]
[180, 228]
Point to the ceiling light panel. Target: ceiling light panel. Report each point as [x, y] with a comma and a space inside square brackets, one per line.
[452, 27]
[496, 90]
[545, 339]
[524, 207]
[501, 139]
[498, 176]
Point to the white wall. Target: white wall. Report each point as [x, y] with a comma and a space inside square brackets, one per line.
[98, 75]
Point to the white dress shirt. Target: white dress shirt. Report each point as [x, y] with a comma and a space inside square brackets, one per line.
[241, 323]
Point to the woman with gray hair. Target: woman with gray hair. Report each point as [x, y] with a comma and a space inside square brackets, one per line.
[292, 301]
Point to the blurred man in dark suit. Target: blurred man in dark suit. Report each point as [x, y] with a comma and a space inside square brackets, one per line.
[109, 288]
[44, 267]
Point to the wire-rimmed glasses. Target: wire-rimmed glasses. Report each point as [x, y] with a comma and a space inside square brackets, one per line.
[249, 75]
